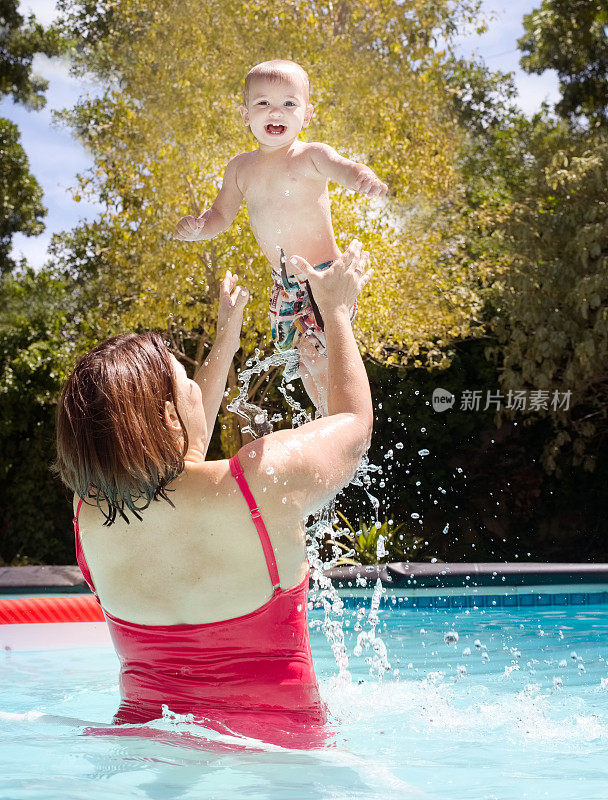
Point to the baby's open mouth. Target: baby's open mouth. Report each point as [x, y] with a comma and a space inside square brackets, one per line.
[275, 130]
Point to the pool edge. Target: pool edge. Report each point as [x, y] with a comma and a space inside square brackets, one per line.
[68, 579]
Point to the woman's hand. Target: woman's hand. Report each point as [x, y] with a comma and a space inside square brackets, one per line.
[340, 284]
[233, 299]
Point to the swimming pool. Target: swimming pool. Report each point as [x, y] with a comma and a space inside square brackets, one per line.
[514, 707]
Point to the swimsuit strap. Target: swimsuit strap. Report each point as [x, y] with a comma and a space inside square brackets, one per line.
[80, 557]
[271, 562]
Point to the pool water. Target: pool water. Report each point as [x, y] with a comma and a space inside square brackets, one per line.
[517, 708]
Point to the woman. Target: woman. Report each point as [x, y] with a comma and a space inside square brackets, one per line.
[205, 595]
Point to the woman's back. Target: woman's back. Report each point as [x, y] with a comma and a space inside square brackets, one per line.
[198, 561]
[250, 674]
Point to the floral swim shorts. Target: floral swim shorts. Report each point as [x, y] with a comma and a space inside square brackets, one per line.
[294, 312]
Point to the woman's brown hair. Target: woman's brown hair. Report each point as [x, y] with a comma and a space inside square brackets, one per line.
[113, 443]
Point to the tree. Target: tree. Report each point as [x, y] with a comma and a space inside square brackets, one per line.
[534, 202]
[20, 40]
[553, 321]
[37, 334]
[571, 38]
[21, 210]
[168, 123]
[32, 320]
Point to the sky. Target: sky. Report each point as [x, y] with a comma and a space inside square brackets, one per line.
[56, 157]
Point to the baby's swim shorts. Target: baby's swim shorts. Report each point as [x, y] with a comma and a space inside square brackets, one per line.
[294, 313]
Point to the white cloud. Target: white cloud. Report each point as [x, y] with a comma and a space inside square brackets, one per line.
[34, 249]
[45, 11]
[532, 90]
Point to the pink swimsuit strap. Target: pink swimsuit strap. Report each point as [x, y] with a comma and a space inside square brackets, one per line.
[237, 470]
[271, 562]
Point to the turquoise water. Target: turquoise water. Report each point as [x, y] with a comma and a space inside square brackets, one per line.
[517, 708]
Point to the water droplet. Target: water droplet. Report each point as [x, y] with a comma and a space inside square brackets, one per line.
[399, 445]
[252, 454]
[269, 470]
[423, 453]
[450, 638]
[415, 516]
[286, 192]
[477, 644]
[466, 651]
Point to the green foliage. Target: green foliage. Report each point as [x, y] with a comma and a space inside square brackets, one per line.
[37, 328]
[397, 542]
[533, 214]
[20, 40]
[571, 38]
[553, 302]
[21, 210]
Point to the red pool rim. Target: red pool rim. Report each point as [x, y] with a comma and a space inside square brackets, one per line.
[74, 608]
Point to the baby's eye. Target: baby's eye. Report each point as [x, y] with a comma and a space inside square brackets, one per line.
[262, 103]
[289, 103]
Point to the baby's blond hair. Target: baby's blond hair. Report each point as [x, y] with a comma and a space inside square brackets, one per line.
[275, 71]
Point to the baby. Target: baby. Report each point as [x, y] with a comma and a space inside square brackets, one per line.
[284, 184]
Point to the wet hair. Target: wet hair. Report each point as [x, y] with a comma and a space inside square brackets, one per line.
[276, 71]
[113, 443]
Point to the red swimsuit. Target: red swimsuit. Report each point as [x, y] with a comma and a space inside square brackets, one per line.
[251, 675]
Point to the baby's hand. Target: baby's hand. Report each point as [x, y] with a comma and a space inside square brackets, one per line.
[189, 228]
[368, 183]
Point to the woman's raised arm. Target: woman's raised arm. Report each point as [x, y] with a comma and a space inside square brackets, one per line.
[313, 462]
[212, 374]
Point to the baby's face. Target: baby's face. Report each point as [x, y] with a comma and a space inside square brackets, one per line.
[276, 111]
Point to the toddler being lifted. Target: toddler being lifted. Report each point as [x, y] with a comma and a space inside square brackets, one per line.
[284, 184]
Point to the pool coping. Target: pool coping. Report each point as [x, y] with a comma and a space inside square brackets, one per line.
[411, 576]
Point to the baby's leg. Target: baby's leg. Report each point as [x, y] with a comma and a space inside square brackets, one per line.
[314, 372]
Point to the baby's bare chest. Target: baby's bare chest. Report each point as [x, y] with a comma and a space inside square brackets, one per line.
[281, 188]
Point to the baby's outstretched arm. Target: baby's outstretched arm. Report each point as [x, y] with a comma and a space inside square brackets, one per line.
[221, 214]
[349, 174]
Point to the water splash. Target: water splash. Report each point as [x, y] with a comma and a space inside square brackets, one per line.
[322, 527]
[258, 421]
[367, 639]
